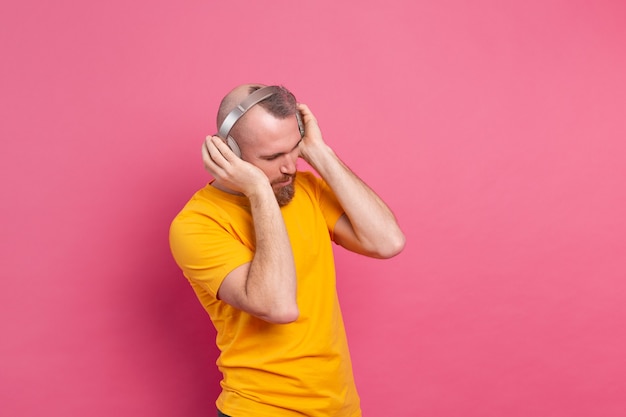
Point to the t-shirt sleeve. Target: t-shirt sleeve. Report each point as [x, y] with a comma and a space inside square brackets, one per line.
[206, 251]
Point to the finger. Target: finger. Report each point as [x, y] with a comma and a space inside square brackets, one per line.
[307, 114]
[215, 151]
[212, 158]
[208, 162]
[205, 149]
[303, 108]
[226, 153]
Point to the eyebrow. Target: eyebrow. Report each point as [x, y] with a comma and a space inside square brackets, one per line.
[276, 155]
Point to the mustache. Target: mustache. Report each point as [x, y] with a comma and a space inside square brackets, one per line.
[284, 178]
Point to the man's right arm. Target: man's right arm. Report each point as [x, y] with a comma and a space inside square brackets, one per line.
[266, 286]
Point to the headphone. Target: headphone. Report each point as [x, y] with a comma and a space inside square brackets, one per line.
[232, 117]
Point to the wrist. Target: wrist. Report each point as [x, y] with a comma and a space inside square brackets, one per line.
[260, 192]
[322, 159]
[318, 156]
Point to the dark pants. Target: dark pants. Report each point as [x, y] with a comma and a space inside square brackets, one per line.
[220, 414]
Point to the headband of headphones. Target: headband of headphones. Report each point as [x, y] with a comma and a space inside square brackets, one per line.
[243, 107]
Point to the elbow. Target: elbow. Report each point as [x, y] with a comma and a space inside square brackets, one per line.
[391, 247]
[283, 314]
[285, 318]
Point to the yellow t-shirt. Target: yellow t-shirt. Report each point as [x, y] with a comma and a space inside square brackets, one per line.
[272, 370]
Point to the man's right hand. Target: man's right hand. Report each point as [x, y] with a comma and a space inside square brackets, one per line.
[229, 170]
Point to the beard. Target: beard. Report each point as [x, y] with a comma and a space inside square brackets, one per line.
[285, 194]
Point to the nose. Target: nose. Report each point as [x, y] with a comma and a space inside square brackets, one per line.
[288, 165]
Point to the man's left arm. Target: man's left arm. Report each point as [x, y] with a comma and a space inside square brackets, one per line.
[368, 226]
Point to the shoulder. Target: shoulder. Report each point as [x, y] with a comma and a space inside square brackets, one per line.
[306, 178]
[212, 203]
[310, 182]
[211, 226]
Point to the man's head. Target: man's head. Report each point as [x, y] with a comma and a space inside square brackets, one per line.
[267, 135]
[281, 104]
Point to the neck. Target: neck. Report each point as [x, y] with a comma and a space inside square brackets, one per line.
[217, 184]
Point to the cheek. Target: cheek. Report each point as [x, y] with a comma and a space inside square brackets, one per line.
[269, 168]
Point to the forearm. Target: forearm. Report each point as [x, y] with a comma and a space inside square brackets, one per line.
[271, 282]
[372, 221]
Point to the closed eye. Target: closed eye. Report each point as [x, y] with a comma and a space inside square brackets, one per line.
[278, 155]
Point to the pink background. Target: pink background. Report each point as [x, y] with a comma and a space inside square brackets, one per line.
[495, 130]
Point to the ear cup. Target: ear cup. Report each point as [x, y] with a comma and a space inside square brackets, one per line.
[300, 123]
[233, 146]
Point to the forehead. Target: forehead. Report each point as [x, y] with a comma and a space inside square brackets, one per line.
[268, 133]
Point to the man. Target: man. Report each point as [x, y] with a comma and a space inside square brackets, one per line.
[255, 244]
